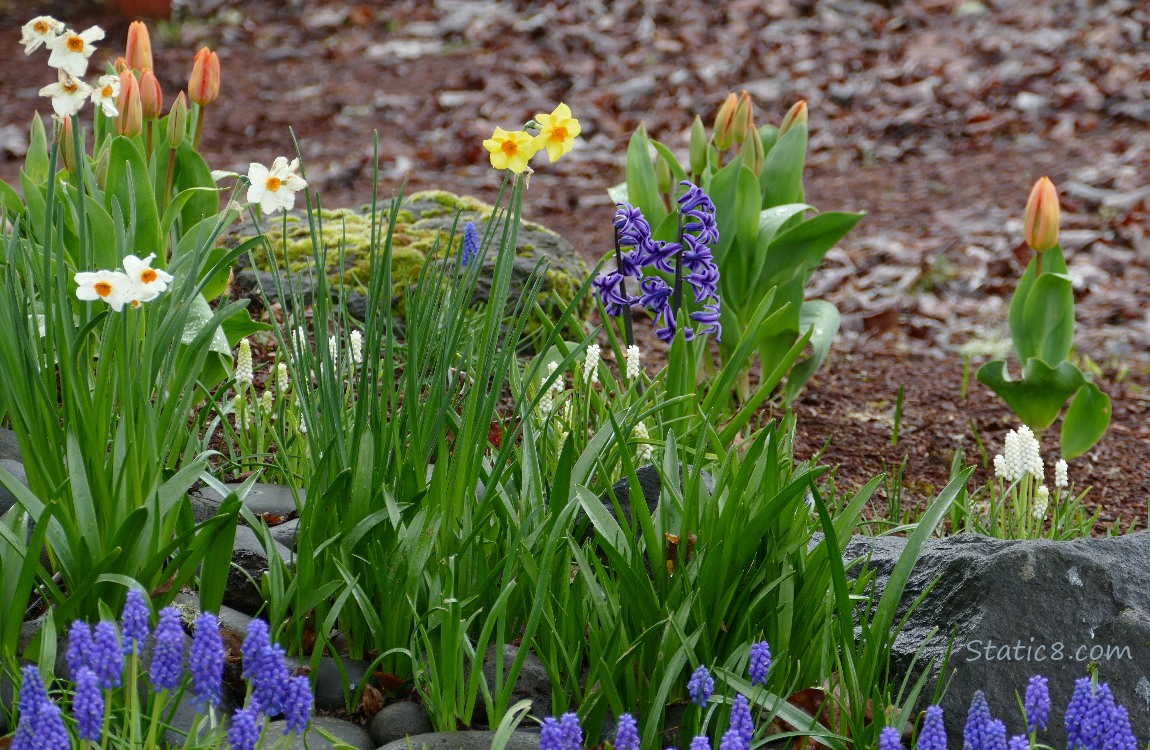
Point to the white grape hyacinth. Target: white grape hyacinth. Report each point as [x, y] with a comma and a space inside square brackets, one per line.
[1041, 502]
[356, 339]
[244, 373]
[634, 366]
[591, 364]
[1060, 477]
[547, 400]
[283, 380]
[1020, 456]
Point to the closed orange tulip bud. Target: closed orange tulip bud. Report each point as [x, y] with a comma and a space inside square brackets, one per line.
[121, 65]
[131, 119]
[138, 52]
[67, 144]
[725, 122]
[151, 95]
[744, 122]
[1042, 216]
[796, 115]
[204, 84]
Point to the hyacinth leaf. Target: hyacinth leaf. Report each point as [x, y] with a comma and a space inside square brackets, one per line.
[1047, 320]
[129, 186]
[802, 248]
[782, 176]
[1086, 421]
[1039, 396]
[822, 319]
[1053, 261]
[36, 160]
[10, 202]
[642, 185]
[677, 172]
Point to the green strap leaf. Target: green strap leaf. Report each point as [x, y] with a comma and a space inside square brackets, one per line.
[782, 175]
[822, 318]
[129, 185]
[1047, 330]
[642, 187]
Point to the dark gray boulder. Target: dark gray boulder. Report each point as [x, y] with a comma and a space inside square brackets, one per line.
[1020, 608]
[463, 741]
[249, 563]
[16, 469]
[273, 499]
[9, 446]
[532, 684]
[348, 734]
[651, 485]
[399, 720]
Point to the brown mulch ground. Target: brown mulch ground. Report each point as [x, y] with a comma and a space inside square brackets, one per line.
[933, 116]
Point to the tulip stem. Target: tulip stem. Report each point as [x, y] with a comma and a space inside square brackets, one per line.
[199, 127]
[168, 181]
[148, 142]
[1038, 266]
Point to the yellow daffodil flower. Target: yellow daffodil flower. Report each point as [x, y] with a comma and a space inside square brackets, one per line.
[557, 132]
[510, 150]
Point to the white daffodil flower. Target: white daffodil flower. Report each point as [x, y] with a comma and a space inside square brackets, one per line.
[111, 286]
[70, 51]
[39, 31]
[105, 94]
[274, 189]
[147, 282]
[68, 94]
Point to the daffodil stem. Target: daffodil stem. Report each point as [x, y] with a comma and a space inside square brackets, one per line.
[199, 127]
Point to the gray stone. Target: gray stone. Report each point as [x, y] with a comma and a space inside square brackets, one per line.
[10, 446]
[1020, 608]
[399, 720]
[16, 469]
[228, 617]
[463, 741]
[532, 684]
[273, 499]
[329, 681]
[249, 563]
[346, 733]
[651, 485]
[285, 533]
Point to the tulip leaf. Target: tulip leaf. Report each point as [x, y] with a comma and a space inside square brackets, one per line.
[103, 234]
[678, 174]
[769, 135]
[1053, 262]
[1086, 421]
[782, 176]
[193, 172]
[642, 186]
[240, 325]
[771, 220]
[801, 248]
[128, 184]
[1048, 319]
[36, 161]
[822, 319]
[10, 202]
[1039, 396]
[724, 192]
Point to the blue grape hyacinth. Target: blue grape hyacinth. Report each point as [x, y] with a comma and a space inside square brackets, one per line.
[470, 243]
[932, 736]
[982, 730]
[741, 720]
[1037, 703]
[206, 662]
[700, 686]
[167, 668]
[79, 647]
[41, 725]
[106, 657]
[135, 622]
[88, 706]
[889, 739]
[760, 663]
[550, 736]
[297, 705]
[244, 733]
[265, 668]
[627, 733]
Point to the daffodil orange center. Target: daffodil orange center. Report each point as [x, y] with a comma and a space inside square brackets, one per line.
[106, 92]
[103, 288]
[559, 134]
[41, 27]
[70, 87]
[75, 44]
[273, 183]
[148, 276]
[510, 148]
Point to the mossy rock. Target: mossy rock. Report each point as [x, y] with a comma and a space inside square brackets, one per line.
[422, 229]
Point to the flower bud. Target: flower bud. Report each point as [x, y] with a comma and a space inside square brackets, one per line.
[138, 52]
[67, 145]
[796, 115]
[151, 95]
[662, 173]
[178, 121]
[752, 152]
[744, 122]
[204, 83]
[725, 121]
[698, 146]
[131, 119]
[101, 168]
[121, 65]
[1042, 216]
